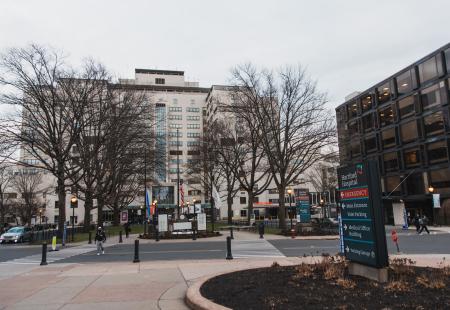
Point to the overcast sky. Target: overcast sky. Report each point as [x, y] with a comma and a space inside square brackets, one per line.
[346, 45]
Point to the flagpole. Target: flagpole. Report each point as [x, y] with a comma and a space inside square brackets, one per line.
[178, 177]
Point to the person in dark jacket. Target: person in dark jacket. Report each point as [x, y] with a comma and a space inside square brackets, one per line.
[100, 237]
[416, 222]
[423, 224]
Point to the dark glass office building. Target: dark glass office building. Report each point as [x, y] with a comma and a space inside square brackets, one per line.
[403, 123]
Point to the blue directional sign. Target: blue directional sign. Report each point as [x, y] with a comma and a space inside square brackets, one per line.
[302, 205]
[362, 214]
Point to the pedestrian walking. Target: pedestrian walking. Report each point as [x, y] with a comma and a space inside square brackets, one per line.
[100, 237]
[423, 224]
[417, 222]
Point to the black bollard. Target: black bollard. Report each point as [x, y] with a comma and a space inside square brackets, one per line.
[231, 232]
[194, 235]
[120, 237]
[44, 254]
[229, 256]
[90, 238]
[136, 251]
[126, 232]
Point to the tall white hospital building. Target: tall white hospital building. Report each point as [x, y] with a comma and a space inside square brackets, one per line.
[182, 109]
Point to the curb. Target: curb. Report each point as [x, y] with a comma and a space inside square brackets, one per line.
[196, 301]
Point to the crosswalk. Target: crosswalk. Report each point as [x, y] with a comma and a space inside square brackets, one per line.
[52, 256]
[254, 248]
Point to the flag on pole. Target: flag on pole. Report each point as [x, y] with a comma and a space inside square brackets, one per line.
[216, 198]
[181, 193]
[148, 202]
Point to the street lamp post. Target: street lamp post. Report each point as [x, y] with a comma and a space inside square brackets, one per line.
[40, 216]
[289, 191]
[157, 222]
[73, 202]
[431, 191]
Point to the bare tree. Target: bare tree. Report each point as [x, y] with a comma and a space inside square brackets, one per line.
[28, 184]
[51, 98]
[5, 182]
[293, 120]
[109, 150]
[252, 166]
[204, 169]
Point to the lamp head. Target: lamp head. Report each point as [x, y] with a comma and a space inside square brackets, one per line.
[431, 189]
[73, 199]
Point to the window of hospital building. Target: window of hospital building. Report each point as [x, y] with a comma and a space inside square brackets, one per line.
[434, 124]
[432, 96]
[368, 122]
[386, 116]
[243, 200]
[355, 148]
[366, 102]
[352, 109]
[409, 131]
[406, 82]
[437, 152]
[353, 127]
[370, 144]
[447, 59]
[390, 161]
[440, 179]
[388, 138]
[392, 185]
[411, 157]
[414, 184]
[243, 213]
[406, 106]
[384, 93]
[429, 70]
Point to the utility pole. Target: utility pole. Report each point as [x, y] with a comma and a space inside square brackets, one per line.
[178, 176]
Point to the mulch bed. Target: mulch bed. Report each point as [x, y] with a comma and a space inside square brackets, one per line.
[327, 286]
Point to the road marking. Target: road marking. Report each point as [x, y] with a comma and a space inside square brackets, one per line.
[254, 248]
[155, 252]
[311, 247]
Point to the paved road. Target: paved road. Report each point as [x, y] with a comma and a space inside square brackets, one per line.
[410, 243]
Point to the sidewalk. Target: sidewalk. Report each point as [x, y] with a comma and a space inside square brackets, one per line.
[146, 285]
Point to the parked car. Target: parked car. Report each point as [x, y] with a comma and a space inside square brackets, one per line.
[16, 234]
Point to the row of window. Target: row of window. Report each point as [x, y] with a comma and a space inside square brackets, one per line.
[414, 183]
[180, 143]
[189, 152]
[180, 117]
[407, 107]
[402, 84]
[407, 132]
[189, 126]
[431, 154]
[180, 109]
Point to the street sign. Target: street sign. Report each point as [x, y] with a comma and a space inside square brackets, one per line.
[436, 200]
[162, 222]
[362, 214]
[302, 205]
[201, 221]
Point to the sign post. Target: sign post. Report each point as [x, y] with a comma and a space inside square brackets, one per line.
[363, 221]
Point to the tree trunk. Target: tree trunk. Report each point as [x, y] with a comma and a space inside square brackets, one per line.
[250, 206]
[100, 204]
[282, 208]
[61, 202]
[116, 215]
[88, 204]
[230, 208]
[2, 213]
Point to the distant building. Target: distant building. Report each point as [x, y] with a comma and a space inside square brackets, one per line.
[402, 123]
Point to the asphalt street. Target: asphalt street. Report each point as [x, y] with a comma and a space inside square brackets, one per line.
[409, 243]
